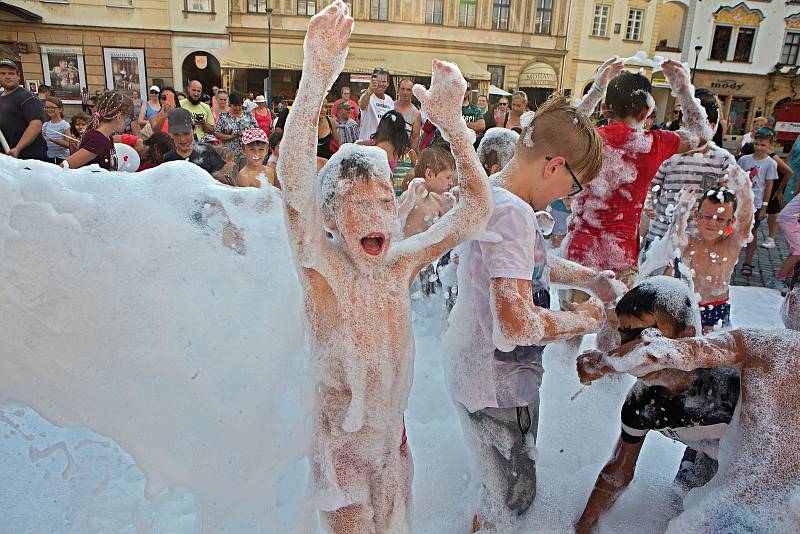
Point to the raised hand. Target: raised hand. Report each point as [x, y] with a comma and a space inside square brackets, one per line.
[325, 45]
[442, 102]
[590, 366]
[607, 288]
[677, 75]
[608, 71]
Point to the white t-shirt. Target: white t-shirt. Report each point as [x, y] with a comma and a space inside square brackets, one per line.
[371, 116]
[760, 171]
[479, 375]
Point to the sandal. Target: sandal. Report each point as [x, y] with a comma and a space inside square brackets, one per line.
[747, 269]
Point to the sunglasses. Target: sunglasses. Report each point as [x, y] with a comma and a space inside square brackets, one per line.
[576, 185]
[502, 103]
[629, 334]
[155, 92]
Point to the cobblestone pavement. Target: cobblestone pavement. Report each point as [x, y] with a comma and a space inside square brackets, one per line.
[766, 262]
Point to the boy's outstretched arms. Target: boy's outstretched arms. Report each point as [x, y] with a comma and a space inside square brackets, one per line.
[695, 130]
[604, 75]
[325, 49]
[602, 284]
[442, 105]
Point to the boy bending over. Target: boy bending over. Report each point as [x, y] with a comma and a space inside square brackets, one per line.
[356, 282]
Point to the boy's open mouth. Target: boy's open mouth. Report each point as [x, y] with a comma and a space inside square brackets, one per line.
[373, 243]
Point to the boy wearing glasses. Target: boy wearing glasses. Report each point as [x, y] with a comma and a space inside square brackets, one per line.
[501, 320]
[604, 228]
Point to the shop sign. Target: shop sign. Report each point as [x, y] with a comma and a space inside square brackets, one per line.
[791, 127]
[726, 84]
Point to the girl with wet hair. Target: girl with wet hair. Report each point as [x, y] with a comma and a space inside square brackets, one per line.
[391, 136]
[97, 146]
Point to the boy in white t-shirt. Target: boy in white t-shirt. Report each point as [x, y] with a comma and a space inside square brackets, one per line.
[502, 319]
[374, 103]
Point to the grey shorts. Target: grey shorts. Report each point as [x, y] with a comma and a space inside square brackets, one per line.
[502, 442]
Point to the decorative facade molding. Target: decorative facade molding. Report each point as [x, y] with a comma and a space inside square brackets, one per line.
[738, 15]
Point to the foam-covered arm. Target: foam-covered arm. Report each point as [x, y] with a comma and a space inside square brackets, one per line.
[656, 352]
[442, 105]
[408, 200]
[696, 130]
[605, 73]
[602, 285]
[325, 48]
[519, 322]
[739, 182]
[676, 236]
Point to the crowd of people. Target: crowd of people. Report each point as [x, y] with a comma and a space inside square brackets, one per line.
[643, 225]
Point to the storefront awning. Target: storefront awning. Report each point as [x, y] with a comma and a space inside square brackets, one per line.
[539, 75]
[247, 55]
[496, 91]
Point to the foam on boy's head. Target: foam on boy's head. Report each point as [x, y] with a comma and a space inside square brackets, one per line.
[350, 163]
[664, 297]
[497, 147]
[628, 95]
[718, 196]
[558, 129]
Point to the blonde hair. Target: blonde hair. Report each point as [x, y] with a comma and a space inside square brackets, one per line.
[558, 129]
[109, 105]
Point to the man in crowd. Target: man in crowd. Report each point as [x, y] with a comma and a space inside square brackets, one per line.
[374, 103]
[472, 114]
[20, 116]
[346, 126]
[201, 112]
[408, 110]
[483, 104]
[355, 113]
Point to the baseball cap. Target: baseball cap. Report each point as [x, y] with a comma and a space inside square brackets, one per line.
[254, 135]
[8, 63]
[180, 121]
[155, 88]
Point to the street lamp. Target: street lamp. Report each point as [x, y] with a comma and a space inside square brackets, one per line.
[697, 50]
[269, 56]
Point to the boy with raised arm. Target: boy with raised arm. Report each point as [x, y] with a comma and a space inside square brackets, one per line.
[501, 320]
[604, 228]
[356, 280]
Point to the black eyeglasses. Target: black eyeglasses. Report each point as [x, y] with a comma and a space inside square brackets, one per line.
[576, 185]
[502, 103]
[629, 334]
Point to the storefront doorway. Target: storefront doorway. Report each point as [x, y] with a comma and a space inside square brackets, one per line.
[738, 114]
[204, 67]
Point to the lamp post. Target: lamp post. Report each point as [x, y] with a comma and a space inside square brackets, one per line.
[269, 58]
[697, 50]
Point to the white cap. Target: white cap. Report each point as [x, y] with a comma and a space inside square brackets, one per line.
[155, 88]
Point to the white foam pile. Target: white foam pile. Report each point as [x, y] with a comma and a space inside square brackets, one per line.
[159, 315]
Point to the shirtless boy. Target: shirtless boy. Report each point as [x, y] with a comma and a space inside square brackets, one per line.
[255, 173]
[724, 220]
[434, 175]
[356, 284]
[756, 487]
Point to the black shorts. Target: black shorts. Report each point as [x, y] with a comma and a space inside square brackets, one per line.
[774, 206]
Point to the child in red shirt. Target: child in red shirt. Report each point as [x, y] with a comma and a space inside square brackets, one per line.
[604, 229]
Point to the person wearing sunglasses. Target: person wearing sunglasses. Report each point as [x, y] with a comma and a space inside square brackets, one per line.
[152, 107]
[168, 101]
[692, 407]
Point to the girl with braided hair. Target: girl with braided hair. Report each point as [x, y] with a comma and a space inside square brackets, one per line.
[97, 146]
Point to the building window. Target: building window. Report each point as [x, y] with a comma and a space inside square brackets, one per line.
[500, 14]
[257, 6]
[466, 13]
[307, 7]
[721, 42]
[379, 10]
[544, 13]
[498, 73]
[744, 44]
[600, 25]
[434, 10]
[634, 29]
[791, 47]
[200, 6]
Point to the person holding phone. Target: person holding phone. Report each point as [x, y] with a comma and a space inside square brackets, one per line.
[374, 103]
[168, 99]
[202, 118]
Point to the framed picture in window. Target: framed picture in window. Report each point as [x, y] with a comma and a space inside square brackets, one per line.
[64, 72]
[33, 86]
[125, 70]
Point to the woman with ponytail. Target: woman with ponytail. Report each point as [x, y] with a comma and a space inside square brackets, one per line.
[97, 146]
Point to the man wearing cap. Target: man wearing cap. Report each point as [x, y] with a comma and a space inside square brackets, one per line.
[21, 114]
[346, 127]
[181, 130]
[202, 118]
[374, 103]
[344, 93]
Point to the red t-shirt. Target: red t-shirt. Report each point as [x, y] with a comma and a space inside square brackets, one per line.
[605, 216]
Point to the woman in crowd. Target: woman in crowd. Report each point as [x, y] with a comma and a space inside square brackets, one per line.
[55, 131]
[221, 104]
[327, 135]
[151, 107]
[232, 123]
[168, 101]
[263, 115]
